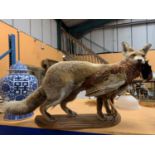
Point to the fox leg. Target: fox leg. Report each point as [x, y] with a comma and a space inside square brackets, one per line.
[43, 109]
[106, 105]
[67, 110]
[113, 109]
[99, 108]
[52, 102]
[55, 98]
[63, 104]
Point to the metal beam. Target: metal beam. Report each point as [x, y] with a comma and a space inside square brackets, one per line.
[12, 46]
[60, 24]
[5, 54]
[135, 23]
[60, 21]
[80, 29]
[59, 34]
[12, 50]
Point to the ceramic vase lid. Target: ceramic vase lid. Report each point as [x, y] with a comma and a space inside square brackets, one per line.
[18, 68]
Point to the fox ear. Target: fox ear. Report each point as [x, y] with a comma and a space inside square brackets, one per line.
[126, 48]
[146, 48]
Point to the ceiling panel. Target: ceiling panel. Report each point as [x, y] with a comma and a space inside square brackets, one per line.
[73, 22]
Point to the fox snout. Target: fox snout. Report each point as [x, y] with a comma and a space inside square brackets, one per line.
[139, 59]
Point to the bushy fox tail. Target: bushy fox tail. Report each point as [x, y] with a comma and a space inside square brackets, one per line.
[27, 105]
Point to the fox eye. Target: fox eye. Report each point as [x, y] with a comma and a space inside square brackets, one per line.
[133, 55]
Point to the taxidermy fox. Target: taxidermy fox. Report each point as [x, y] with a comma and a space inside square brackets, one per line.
[64, 80]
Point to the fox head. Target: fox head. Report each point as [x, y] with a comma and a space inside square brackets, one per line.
[139, 57]
[136, 55]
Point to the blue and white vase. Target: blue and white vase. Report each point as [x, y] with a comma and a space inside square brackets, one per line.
[17, 86]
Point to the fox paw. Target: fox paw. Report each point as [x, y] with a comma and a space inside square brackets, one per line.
[102, 118]
[50, 119]
[72, 114]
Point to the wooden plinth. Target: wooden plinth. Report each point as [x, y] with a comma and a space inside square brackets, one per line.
[83, 121]
[148, 103]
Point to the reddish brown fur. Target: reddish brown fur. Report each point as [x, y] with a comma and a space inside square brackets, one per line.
[130, 68]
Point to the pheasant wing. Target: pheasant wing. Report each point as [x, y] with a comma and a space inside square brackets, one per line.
[105, 84]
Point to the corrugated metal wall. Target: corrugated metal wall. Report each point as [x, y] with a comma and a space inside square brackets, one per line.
[42, 29]
[110, 38]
